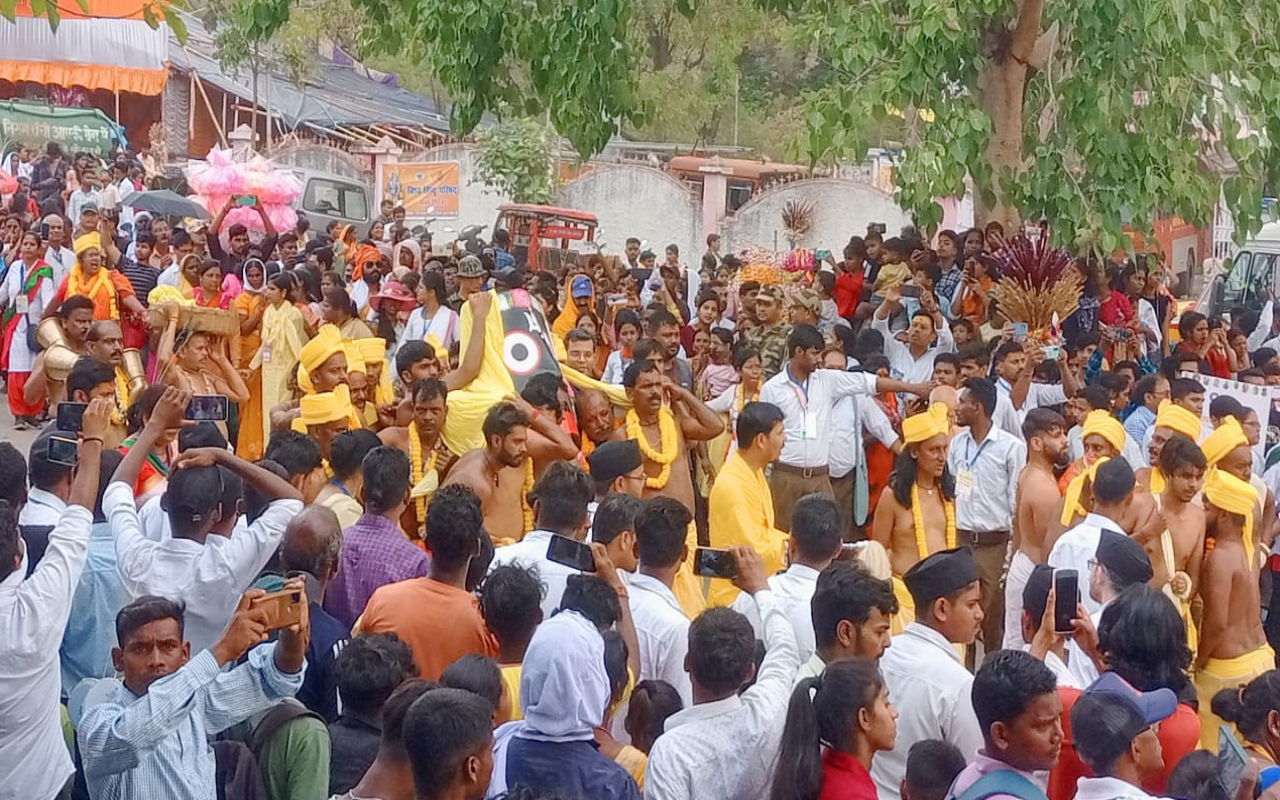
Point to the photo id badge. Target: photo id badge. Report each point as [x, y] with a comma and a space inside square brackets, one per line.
[809, 429]
[266, 353]
[21, 304]
[964, 484]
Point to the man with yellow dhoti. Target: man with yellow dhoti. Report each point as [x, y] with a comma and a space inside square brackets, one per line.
[916, 515]
[1233, 646]
[740, 509]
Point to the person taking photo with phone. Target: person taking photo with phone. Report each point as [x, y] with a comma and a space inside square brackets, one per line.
[155, 730]
[34, 610]
[191, 566]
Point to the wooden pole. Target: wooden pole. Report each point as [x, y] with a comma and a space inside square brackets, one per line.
[222, 137]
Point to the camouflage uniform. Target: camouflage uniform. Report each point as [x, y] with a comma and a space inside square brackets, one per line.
[771, 343]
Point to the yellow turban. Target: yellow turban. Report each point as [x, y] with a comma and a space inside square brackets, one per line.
[1225, 438]
[1234, 496]
[373, 351]
[924, 426]
[326, 343]
[1071, 505]
[321, 408]
[86, 241]
[1176, 418]
[1101, 423]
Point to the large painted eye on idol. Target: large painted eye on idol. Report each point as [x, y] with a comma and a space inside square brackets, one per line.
[520, 352]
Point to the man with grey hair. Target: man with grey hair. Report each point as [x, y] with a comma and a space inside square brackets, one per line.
[312, 547]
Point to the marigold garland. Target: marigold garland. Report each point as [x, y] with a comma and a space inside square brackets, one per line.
[668, 441]
[524, 495]
[419, 471]
[742, 396]
[917, 517]
[122, 398]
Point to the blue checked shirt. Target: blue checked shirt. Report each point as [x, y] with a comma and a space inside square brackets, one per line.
[156, 747]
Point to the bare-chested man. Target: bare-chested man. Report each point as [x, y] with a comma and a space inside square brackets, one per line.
[201, 366]
[545, 394]
[1170, 419]
[498, 472]
[1233, 647]
[920, 477]
[687, 420]
[1037, 507]
[75, 316]
[1228, 449]
[1176, 545]
[422, 442]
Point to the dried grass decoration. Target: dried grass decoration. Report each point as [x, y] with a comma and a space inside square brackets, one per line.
[1036, 281]
[797, 219]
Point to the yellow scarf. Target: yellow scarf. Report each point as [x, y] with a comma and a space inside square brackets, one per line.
[77, 284]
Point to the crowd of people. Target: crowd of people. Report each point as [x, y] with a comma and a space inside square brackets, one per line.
[468, 528]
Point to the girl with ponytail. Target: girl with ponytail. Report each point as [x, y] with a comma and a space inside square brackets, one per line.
[1255, 711]
[836, 723]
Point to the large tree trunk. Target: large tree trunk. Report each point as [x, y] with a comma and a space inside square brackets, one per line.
[1002, 84]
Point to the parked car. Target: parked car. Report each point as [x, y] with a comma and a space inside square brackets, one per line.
[327, 197]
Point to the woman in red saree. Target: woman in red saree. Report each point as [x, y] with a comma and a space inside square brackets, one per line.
[27, 290]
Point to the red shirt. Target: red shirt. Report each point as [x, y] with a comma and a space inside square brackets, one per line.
[1179, 735]
[844, 778]
[848, 288]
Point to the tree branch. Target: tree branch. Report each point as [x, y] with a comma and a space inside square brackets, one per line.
[1045, 44]
[1027, 30]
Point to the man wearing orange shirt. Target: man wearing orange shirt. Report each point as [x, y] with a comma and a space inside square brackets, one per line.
[436, 616]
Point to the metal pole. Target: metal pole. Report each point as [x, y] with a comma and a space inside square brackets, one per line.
[737, 81]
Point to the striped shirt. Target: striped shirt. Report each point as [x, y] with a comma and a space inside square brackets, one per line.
[157, 745]
[143, 277]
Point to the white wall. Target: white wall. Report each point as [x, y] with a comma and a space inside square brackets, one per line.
[842, 209]
[635, 200]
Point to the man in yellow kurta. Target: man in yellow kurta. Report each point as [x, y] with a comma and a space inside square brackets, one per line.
[741, 505]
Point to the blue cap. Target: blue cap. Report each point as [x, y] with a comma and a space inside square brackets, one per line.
[1154, 706]
[581, 286]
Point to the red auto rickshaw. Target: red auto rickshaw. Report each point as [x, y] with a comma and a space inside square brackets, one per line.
[544, 237]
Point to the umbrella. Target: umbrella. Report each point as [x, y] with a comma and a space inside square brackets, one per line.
[167, 203]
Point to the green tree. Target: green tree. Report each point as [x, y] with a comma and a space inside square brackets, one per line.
[515, 158]
[1087, 113]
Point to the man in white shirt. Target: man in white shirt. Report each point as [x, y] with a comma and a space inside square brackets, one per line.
[1014, 369]
[1113, 726]
[847, 452]
[661, 626]
[927, 683]
[86, 193]
[33, 616]
[927, 335]
[60, 257]
[50, 488]
[1120, 562]
[851, 613]
[724, 745]
[1077, 547]
[807, 396]
[816, 537]
[986, 462]
[207, 572]
[563, 493]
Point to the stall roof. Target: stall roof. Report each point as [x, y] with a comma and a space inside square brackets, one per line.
[338, 96]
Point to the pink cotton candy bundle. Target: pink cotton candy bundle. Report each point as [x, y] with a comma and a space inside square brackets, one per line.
[221, 177]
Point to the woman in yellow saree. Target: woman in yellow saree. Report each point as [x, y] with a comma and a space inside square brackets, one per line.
[250, 305]
[282, 338]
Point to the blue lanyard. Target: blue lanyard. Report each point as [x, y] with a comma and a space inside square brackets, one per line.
[338, 485]
[969, 462]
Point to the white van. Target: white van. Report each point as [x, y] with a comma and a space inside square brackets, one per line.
[327, 197]
[1253, 270]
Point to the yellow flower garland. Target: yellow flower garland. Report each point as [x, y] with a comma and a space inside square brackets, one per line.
[524, 495]
[122, 398]
[742, 396]
[917, 517]
[668, 439]
[419, 470]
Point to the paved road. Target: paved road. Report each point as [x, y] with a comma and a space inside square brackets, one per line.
[20, 439]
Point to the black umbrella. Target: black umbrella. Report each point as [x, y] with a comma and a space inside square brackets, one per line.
[167, 203]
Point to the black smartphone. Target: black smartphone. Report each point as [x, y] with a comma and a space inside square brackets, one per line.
[571, 553]
[71, 417]
[62, 451]
[910, 290]
[641, 274]
[1066, 590]
[208, 408]
[710, 563]
[44, 231]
